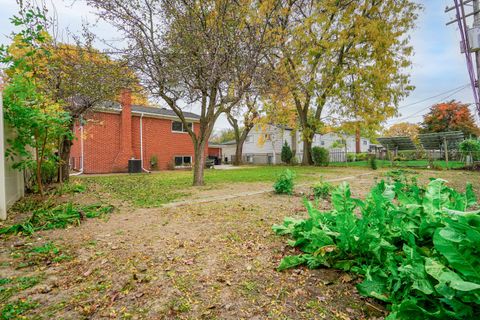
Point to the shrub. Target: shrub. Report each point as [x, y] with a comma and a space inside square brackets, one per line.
[322, 190]
[470, 147]
[415, 247]
[154, 162]
[321, 156]
[372, 161]
[287, 153]
[361, 156]
[284, 183]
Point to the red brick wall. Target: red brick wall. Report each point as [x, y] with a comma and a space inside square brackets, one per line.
[102, 143]
[159, 140]
[215, 152]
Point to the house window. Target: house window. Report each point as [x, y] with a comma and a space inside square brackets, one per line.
[177, 126]
[364, 142]
[322, 143]
[249, 139]
[250, 159]
[183, 161]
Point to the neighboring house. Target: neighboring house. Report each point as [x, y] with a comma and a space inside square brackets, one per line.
[264, 145]
[11, 181]
[215, 153]
[228, 151]
[115, 133]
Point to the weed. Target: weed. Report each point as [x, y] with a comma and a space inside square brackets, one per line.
[249, 287]
[57, 217]
[42, 254]
[322, 190]
[284, 183]
[180, 304]
[15, 309]
[11, 286]
[70, 188]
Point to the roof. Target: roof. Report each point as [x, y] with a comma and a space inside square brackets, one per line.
[154, 111]
[228, 143]
[437, 140]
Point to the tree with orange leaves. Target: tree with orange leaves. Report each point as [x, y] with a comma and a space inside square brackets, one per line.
[450, 116]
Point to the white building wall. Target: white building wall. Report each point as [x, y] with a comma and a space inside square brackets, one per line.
[11, 181]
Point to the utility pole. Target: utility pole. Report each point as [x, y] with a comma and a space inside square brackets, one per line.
[476, 23]
[467, 35]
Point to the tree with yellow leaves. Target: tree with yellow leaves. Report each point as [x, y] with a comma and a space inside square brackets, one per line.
[349, 55]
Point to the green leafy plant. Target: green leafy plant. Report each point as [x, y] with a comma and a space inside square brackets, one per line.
[284, 183]
[36, 117]
[372, 161]
[286, 153]
[57, 217]
[321, 156]
[154, 162]
[415, 247]
[470, 147]
[322, 190]
[15, 309]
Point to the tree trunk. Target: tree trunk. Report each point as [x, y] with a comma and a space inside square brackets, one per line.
[357, 140]
[307, 153]
[64, 155]
[238, 153]
[199, 164]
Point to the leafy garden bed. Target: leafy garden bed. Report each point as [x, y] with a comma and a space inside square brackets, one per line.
[416, 247]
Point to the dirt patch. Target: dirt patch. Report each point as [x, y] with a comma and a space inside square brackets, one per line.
[212, 260]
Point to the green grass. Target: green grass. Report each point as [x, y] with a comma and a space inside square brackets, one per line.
[407, 164]
[152, 190]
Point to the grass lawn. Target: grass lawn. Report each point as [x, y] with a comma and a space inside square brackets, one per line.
[406, 164]
[151, 190]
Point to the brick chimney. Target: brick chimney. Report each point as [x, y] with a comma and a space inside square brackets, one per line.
[125, 151]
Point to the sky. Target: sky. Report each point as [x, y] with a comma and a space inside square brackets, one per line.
[438, 66]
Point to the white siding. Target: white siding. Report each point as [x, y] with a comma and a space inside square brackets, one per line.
[267, 141]
[11, 181]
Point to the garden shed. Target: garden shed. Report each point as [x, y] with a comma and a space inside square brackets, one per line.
[11, 181]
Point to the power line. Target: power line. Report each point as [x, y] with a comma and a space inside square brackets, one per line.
[435, 96]
[444, 98]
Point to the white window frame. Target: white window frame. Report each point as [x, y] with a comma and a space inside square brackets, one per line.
[249, 139]
[183, 129]
[183, 164]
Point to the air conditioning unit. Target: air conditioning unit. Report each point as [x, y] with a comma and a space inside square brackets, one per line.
[474, 39]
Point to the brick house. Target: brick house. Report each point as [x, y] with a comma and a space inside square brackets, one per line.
[115, 133]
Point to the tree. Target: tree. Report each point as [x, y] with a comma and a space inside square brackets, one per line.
[403, 129]
[450, 116]
[286, 153]
[248, 110]
[350, 54]
[223, 135]
[198, 52]
[82, 77]
[38, 120]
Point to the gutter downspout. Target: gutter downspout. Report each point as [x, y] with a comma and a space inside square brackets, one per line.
[141, 143]
[81, 150]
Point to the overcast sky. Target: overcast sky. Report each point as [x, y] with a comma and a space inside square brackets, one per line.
[438, 66]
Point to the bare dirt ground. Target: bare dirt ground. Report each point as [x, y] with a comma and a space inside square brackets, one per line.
[212, 260]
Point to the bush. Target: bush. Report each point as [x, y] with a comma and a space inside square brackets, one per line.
[322, 190]
[363, 156]
[287, 153]
[154, 162]
[470, 147]
[372, 161]
[415, 247]
[321, 156]
[284, 183]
